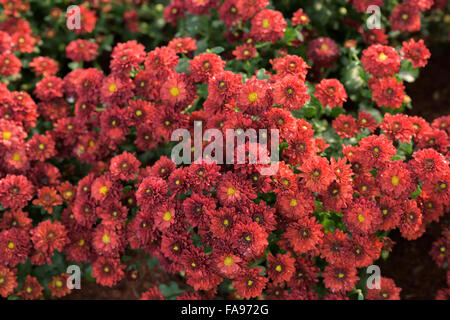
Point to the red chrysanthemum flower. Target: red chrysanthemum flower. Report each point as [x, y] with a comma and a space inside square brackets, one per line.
[362, 216]
[366, 121]
[7, 281]
[331, 93]
[116, 91]
[416, 52]
[151, 192]
[316, 174]
[299, 18]
[107, 271]
[244, 52]
[14, 246]
[340, 277]
[49, 88]
[58, 285]
[290, 93]
[15, 191]
[280, 268]
[268, 25]
[345, 126]
[152, 294]
[405, 18]
[291, 65]
[387, 92]
[375, 36]
[127, 56]
[31, 289]
[81, 50]
[380, 60]
[231, 190]
[429, 165]
[124, 166]
[323, 52]
[398, 127]
[49, 236]
[250, 240]
[48, 198]
[44, 66]
[204, 65]
[304, 235]
[388, 291]
[183, 45]
[377, 150]
[250, 284]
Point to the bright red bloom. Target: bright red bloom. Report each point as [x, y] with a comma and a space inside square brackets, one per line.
[15, 246]
[7, 281]
[250, 240]
[365, 120]
[280, 268]
[58, 285]
[116, 90]
[31, 289]
[299, 17]
[429, 165]
[44, 66]
[331, 93]
[124, 166]
[127, 56]
[387, 92]
[49, 88]
[152, 294]
[151, 192]
[244, 52]
[396, 180]
[290, 65]
[49, 236]
[183, 45]
[411, 221]
[416, 52]
[268, 25]
[304, 235]
[48, 198]
[362, 216]
[81, 50]
[290, 93]
[15, 191]
[380, 60]
[405, 18]
[388, 291]
[377, 150]
[340, 277]
[316, 174]
[345, 126]
[397, 127]
[250, 284]
[375, 36]
[107, 271]
[323, 52]
[204, 65]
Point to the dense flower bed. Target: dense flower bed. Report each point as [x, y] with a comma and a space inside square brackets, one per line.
[86, 118]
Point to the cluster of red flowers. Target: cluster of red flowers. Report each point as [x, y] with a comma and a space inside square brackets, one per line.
[439, 253]
[316, 221]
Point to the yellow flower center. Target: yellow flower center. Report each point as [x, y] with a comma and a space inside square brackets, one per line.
[175, 91]
[11, 245]
[112, 87]
[382, 56]
[293, 203]
[167, 216]
[361, 218]
[6, 135]
[106, 238]
[395, 181]
[253, 96]
[265, 23]
[231, 191]
[228, 261]
[278, 268]
[104, 190]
